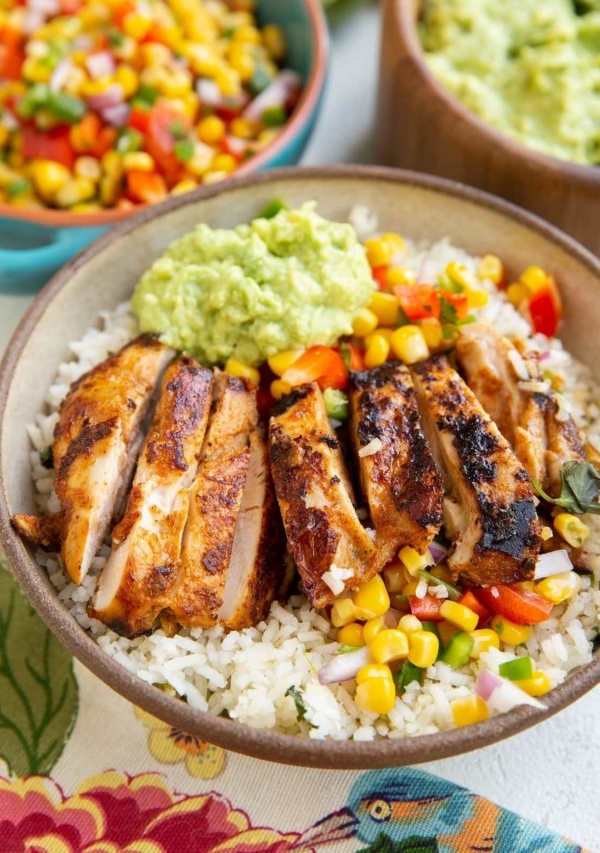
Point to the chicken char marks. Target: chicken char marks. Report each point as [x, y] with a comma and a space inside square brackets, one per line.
[400, 481]
[490, 512]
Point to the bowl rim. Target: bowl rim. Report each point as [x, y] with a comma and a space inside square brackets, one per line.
[262, 743]
[405, 15]
[306, 106]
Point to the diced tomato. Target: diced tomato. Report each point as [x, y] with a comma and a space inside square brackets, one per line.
[380, 275]
[521, 606]
[418, 301]
[104, 141]
[139, 119]
[160, 138]
[318, 364]
[53, 144]
[460, 303]
[427, 609]
[545, 308]
[353, 356]
[145, 187]
[11, 53]
[472, 602]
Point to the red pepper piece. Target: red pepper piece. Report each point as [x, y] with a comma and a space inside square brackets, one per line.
[427, 609]
[318, 364]
[519, 605]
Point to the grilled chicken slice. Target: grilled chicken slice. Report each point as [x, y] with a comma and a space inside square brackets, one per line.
[489, 513]
[564, 443]
[96, 441]
[43, 531]
[144, 563]
[215, 500]
[257, 565]
[400, 481]
[315, 498]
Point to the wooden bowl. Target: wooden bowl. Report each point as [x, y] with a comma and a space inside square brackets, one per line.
[421, 126]
[418, 206]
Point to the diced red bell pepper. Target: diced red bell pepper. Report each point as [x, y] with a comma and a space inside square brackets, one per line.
[145, 187]
[470, 600]
[53, 144]
[427, 609]
[139, 119]
[545, 308]
[353, 356]
[380, 275]
[318, 364]
[11, 53]
[519, 605]
[418, 301]
[160, 138]
[460, 303]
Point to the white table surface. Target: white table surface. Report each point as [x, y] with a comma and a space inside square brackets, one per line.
[550, 774]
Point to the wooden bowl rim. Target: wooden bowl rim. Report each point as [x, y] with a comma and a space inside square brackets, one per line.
[405, 13]
[305, 108]
[260, 743]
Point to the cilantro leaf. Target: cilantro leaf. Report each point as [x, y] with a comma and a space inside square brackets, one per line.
[448, 312]
[580, 488]
[296, 695]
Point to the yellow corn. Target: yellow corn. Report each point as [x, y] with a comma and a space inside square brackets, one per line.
[432, 332]
[381, 250]
[128, 80]
[477, 298]
[274, 42]
[382, 331]
[385, 307]
[423, 648]
[372, 596]
[247, 32]
[509, 632]
[459, 615]
[409, 623]
[469, 709]
[351, 634]
[364, 323]
[228, 81]
[376, 693]
[533, 278]
[571, 529]
[48, 177]
[243, 128]
[389, 644]
[377, 351]
[184, 186]
[483, 640]
[409, 345]
[154, 54]
[411, 587]
[400, 275]
[224, 163]
[558, 588]
[395, 578]
[461, 275]
[490, 267]
[74, 191]
[546, 533]
[537, 685]
[35, 71]
[279, 389]
[242, 61]
[96, 87]
[372, 627]
[345, 611]
[280, 362]
[200, 161]
[139, 161]
[244, 371]
[413, 561]
[517, 293]
[137, 26]
[88, 167]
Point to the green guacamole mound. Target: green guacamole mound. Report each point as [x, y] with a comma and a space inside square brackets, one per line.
[252, 291]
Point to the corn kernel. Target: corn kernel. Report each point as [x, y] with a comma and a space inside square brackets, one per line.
[517, 293]
[280, 362]
[201, 160]
[128, 80]
[87, 167]
[409, 623]
[459, 615]
[228, 81]
[224, 163]
[185, 186]
[35, 71]
[248, 33]
[377, 351]
[484, 639]
[364, 323]
[274, 42]
[533, 278]
[558, 588]
[469, 709]
[137, 26]
[491, 268]
[139, 161]
[413, 561]
[537, 685]
[385, 307]
[432, 332]
[74, 191]
[211, 129]
[423, 648]
[571, 529]
[477, 298]
[279, 389]
[381, 250]
[372, 596]
[395, 578]
[343, 612]
[243, 128]
[48, 177]
[400, 275]
[411, 587]
[372, 627]
[389, 644]
[461, 275]
[376, 694]
[409, 345]
[383, 332]
[351, 634]
[509, 632]
[244, 371]
[546, 533]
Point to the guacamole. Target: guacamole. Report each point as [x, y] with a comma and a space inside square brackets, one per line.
[529, 68]
[250, 292]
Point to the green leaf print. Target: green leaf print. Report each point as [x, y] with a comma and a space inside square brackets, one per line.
[38, 690]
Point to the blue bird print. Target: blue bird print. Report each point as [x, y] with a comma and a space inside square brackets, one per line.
[402, 810]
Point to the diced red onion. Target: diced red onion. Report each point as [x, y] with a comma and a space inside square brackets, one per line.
[116, 115]
[543, 356]
[486, 683]
[344, 666]
[552, 563]
[211, 96]
[235, 145]
[279, 91]
[8, 120]
[502, 695]
[60, 75]
[437, 551]
[111, 96]
[101, 64]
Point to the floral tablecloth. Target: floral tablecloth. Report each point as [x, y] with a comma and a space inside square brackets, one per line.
[84, 771]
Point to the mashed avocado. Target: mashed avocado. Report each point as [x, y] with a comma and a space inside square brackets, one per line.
[529, 68]
[249, 292]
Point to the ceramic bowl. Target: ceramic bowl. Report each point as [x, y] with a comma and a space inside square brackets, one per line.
[36, 242]
[421, 126]
[104, 274]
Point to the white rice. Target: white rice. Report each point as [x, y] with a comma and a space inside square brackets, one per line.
[247, 674]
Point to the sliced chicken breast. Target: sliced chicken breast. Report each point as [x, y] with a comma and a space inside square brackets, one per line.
[403, 488]
[331, 548]
[96, 442]
[489, 512]
[144, 563]
[215, 501]
[257, 564]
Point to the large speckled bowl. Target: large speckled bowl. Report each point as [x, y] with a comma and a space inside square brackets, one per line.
[418, 206]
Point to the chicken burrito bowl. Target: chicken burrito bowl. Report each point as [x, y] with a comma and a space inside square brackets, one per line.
[323, 477]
